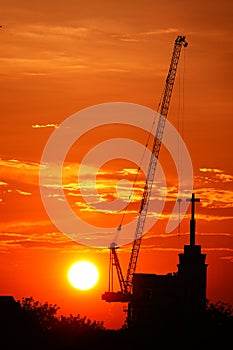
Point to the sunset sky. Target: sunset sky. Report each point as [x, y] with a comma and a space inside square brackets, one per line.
[58, 58]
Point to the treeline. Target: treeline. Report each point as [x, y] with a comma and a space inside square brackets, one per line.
[37, 326]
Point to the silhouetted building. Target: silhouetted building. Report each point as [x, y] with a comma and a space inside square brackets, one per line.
[179, 296]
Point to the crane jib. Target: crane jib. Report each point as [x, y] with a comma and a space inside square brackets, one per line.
[126, 284]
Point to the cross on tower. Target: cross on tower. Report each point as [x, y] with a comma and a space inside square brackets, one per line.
[192, 221]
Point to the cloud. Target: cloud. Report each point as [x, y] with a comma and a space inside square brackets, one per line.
[210, 170]
[209, 217]
[219, 234]
[45, 65]
[228, 257]
[215, 188]
[215, 198]
[160, 31]
[215, 175]
[23, 193]
[48, 32]
[17, 175]
[219, 249]
[142, 36]
[24, 225]
[225, 177]
[20, 172]
[37, 240]
[15, 163]
[37, 126]
[107, 187]
[115, 70]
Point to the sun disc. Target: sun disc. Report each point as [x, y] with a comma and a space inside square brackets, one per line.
[83, 275]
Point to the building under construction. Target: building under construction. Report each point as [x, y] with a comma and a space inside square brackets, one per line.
[179, 296]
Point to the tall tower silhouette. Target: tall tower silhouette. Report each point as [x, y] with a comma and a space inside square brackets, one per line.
[174, 298]
[192, 271]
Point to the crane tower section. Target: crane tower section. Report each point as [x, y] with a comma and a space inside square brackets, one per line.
[126, 284]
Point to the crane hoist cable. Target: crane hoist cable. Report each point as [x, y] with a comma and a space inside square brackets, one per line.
[181, 130]
[137, 173]
[140, 165]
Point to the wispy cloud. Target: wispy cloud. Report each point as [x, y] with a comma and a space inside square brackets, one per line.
[15, 163]
[228, 257]
[210, 170]
[219, 249]
[212, 197]
[48, 32]
[19, 172]
[215, 188]
[38, 126]
[160, 31]
[209, 217]
[32, 66]
[108, 194]
[143, 36]
[215, 175]
[37, 240]
[24, 193]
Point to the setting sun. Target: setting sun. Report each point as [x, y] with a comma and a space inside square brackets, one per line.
[83, 275]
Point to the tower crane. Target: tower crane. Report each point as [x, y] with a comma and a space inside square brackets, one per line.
[125, 293]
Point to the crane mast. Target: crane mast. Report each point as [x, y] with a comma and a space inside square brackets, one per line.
[126, 284]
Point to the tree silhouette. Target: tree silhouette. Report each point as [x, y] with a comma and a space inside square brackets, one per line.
[45, 314]
[44, 329]
[62, 331]
[220, 311]
[220, 317]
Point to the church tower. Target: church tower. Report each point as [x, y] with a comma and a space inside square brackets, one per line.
[162, 300]
[192, 273]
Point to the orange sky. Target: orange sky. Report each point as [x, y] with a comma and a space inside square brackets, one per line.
[58, 58]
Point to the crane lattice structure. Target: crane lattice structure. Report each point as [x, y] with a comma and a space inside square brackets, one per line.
[125, 293]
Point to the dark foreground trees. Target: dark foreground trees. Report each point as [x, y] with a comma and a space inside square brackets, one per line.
[30, 324]
[59, 332]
